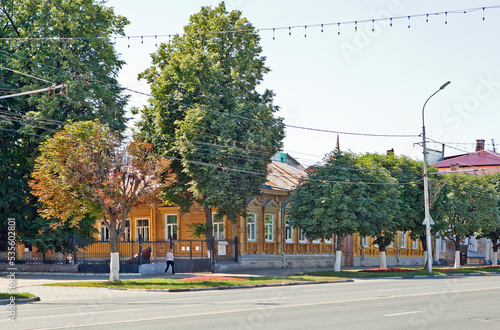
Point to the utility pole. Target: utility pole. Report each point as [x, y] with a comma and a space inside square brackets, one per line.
[427, 220]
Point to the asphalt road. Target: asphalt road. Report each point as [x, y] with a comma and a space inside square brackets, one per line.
[439, 303]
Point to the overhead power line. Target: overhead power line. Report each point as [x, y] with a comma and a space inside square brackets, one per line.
[209, 110]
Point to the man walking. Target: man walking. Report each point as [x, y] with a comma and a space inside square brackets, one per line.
[170, 262]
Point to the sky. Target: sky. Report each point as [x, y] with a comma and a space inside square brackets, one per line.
[373, 83]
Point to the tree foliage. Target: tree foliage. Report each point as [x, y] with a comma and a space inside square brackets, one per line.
[87, 64]
[348, 194]
[83, 171]
[470, 205]
[207, 114]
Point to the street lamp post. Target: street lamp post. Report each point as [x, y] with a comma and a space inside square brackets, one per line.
[426, 187]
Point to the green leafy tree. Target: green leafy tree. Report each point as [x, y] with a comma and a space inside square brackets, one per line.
[470, 203]
[348, 194]
[207, 115]
[491, 230]
[83, 170]
[58, 235]
[409, 173]
[383, 199]
[87, 63]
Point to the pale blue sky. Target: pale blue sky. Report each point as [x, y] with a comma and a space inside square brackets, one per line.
[364, 81]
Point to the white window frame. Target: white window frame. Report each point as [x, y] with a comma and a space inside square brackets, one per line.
[302, 236]
[252, 227]
[329, 240]
[171, 227]
[103, 233]
[269, 233]
[141, 229]
[442, 245]
[217, 227]
[365, 241]
[288, 232]
[402, 240]
[126, 232]
[415, 244]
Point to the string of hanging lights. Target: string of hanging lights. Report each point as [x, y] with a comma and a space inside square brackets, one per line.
[273, 29]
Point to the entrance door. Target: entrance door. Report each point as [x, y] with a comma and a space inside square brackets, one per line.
[347, 251]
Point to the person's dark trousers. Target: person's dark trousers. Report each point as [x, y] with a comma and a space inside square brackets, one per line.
[170, 263]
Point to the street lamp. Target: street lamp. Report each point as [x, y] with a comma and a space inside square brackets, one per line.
[426, 188]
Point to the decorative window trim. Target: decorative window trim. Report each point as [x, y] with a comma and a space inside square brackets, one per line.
[269, 229]
[174, 226]
[141, 229]
[127, 234]
[415, 244]
[302, 236]
[365, 241]
[403, 241]
[252, 227]
[289, 231]
[216, 227]
[103, 233]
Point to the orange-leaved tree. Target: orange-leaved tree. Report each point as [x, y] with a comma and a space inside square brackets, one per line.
[85, 169]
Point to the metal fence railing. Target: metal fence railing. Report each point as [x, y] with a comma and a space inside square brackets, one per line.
[132, 252]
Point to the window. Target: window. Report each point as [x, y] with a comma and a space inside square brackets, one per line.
[269, 228]
[103, 232]
[288, 232]
[365, 241]
[170, 226]
[126, 233]
[252, 227]
[329, 240]
[402, 240]
[302, 237]
[142, 229]
[218, 223]
[316, 241]
[415, 244]
[443, 244]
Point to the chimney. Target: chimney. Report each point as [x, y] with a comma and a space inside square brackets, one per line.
[479, 145]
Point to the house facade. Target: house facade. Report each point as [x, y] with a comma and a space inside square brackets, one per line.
[480, 162]
[265, 239]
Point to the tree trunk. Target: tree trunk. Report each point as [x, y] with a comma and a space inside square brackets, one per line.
[424, 247]
[209, 232]
[114, 264]
[338, 254]
[457, 254]
[383, 259]
[495, 254]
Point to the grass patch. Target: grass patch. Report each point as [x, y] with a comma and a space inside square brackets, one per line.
[5, 295]
[406, 272]
[197, 282]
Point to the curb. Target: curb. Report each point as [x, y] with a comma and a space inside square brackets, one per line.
[19, 301]
[238, 287]
[436, 276]
[69, 274]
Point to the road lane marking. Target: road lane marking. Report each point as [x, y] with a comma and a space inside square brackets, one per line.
[399, 289]
[403, 313]
[145, 319]
[73, 314]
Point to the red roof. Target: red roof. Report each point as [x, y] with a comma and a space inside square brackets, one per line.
[480, 158]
